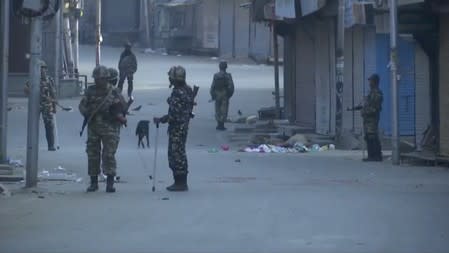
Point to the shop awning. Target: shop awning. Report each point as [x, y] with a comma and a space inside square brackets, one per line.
[176, 3]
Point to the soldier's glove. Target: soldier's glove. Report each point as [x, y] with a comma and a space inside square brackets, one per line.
[122, 119]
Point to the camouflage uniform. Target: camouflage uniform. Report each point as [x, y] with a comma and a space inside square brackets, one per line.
[127, 67]
[47, 105]
[103, 134]
[179, 114]
[221, 91]
[371, 115]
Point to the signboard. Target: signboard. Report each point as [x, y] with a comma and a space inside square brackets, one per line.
[285, 9]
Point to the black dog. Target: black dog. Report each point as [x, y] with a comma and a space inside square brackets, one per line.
[143, 130]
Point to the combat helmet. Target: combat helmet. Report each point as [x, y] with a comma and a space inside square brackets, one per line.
[177, 73]
[100, 72]
[113, 74]
[43, 64]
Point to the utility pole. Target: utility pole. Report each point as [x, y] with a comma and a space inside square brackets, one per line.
[340, 68]
[147, 22]
[98, 33]
[4, 80]
[276, 70]
[68, 42]
[76, 45]
[394, 80]
[58, 16]
[33, 103]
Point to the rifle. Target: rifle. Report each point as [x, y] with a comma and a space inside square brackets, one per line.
[91, 116]
[355, 108]
[195, 93]
[126, 111]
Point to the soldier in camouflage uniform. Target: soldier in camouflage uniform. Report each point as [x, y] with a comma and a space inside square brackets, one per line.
[127, 67]
[221, 91]
[371, 114]
[47, 104]
[181, 104]
[104, 124]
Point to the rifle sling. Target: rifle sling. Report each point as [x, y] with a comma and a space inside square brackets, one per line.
[98, 107]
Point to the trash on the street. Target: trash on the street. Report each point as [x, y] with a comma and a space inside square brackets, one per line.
[225, 147]
[41, 196]
[238, 161]
[4, 191]
[15, 163]
[165, 198]
[213, 150]
[58, 174]
[214, 58]
[297, 138]
[148, 51]
[251, 120]
[298, 147]
[316, 147]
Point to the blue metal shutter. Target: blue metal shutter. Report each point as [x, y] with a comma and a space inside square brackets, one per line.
[407, 99]
[406, 51]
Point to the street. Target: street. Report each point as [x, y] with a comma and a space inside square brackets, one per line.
[238, 202]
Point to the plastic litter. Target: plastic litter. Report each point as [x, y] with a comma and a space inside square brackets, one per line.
[4, 191]
[58, 174]
[15, 163]
[213, 150]
[316, 147]
[225, 147]
[149, 51]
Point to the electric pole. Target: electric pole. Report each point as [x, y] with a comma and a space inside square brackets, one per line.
[276, 71]
[58, 48]
[4, 80]
[340, 68]
[394, 81]
[76, 13]
[98, 33]
[33, 103]
[147, 22]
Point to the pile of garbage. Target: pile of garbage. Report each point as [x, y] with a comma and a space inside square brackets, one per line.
[296, 148]
[58, 174]
[295, 144]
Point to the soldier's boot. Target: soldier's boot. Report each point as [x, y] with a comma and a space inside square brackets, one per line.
[93, 184]
[179, 185]
[110, 184]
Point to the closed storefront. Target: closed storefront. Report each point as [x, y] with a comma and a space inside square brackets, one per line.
[325, 76]
[305, 94]
[406, 98]
[444, 84]
[360, 63]
[423, 108]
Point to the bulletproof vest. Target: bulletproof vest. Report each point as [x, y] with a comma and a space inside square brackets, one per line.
[221, 82]
[95, 100]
